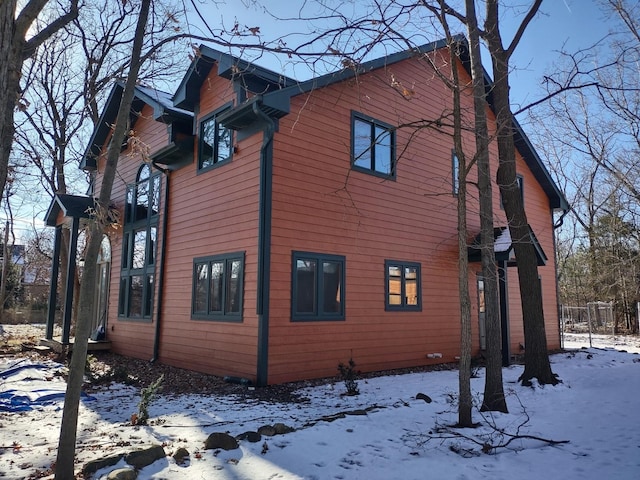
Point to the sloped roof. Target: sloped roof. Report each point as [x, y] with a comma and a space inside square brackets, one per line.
[73, 206]
[503, 246]
[163, 110]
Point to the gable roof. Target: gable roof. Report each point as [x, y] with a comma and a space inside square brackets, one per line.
[163, 110]
[255, 78]
[73, 206]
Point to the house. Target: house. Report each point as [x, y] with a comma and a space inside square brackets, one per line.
[271, 229]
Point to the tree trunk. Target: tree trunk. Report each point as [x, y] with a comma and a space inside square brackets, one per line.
[537, 363]
[14, 50]
[68, 430]
[494, 399]
[10, 69]
[465, 399]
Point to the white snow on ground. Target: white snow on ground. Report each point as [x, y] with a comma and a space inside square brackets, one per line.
[596, 409]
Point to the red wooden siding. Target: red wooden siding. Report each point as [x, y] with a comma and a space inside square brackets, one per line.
[215, 212]
[368, 219]
[132, 338]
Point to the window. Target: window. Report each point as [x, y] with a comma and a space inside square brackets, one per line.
[455, 169]
[372, 146]
[318, 287]
[217, 287]
[139, 241]
[402, 286]
[216, 142]
[520, 181]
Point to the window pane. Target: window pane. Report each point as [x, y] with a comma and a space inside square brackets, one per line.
[454, 173]
[128, 208]
[155, 195]
[395, 285]
[215, 293]
[411, 285]
[362, 144]
[135, 296]
[123, 296]
[232, 301]
[139, 246]
[224, 143]
[331, 275]
[148, 296]
[200, 288]
[305, 286]
[383, 151]
[142, 200]
[207, 143]
[151, 246]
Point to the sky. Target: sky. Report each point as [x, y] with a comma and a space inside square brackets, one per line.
[568, 24]
[594, 409]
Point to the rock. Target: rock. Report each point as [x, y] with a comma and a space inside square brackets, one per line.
[123, 474]
[93, 466]
[281, 429]
[253, 437]
[220, 440]
[422, 396]
[145, 457]
[267, 431]
[181, 455]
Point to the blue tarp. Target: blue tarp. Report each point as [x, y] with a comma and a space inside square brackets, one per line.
[27, 381]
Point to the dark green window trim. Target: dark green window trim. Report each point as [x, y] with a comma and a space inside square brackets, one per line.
[218, 287]
[139, 244]
[317, 287]
[215, 142]
[403, 286]
[373, 146]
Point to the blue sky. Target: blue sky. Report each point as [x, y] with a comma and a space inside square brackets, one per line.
[568, 24]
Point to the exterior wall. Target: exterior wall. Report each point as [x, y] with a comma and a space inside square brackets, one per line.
[133, 338]
[368, 219]
[210, 213]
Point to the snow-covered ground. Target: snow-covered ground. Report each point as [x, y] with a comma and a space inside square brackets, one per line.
[596, 409]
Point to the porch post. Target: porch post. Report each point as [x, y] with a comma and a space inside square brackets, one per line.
[71, 273]
[53, 285]
[504, 312]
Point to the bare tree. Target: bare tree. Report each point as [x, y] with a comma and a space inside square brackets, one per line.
[66, 446]
[15, 49]
[537, 363]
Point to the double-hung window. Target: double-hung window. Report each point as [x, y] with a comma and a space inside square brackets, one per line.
[140, 234]
[372, 145]
[318, 286]
[217, 287]
[402, 282]
[216, 142]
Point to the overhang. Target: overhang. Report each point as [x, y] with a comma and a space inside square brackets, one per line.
[503, 247]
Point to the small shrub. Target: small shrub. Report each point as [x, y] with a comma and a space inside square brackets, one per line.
[349, 376]
[147, 395]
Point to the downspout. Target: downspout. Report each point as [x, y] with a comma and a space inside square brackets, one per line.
[264, 245]
[555, 226]
[163, 252]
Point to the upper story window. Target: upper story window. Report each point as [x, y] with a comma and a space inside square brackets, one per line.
[318, 286]
[216, 142]
[139, 241]
[372, 145]
[402, 285]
